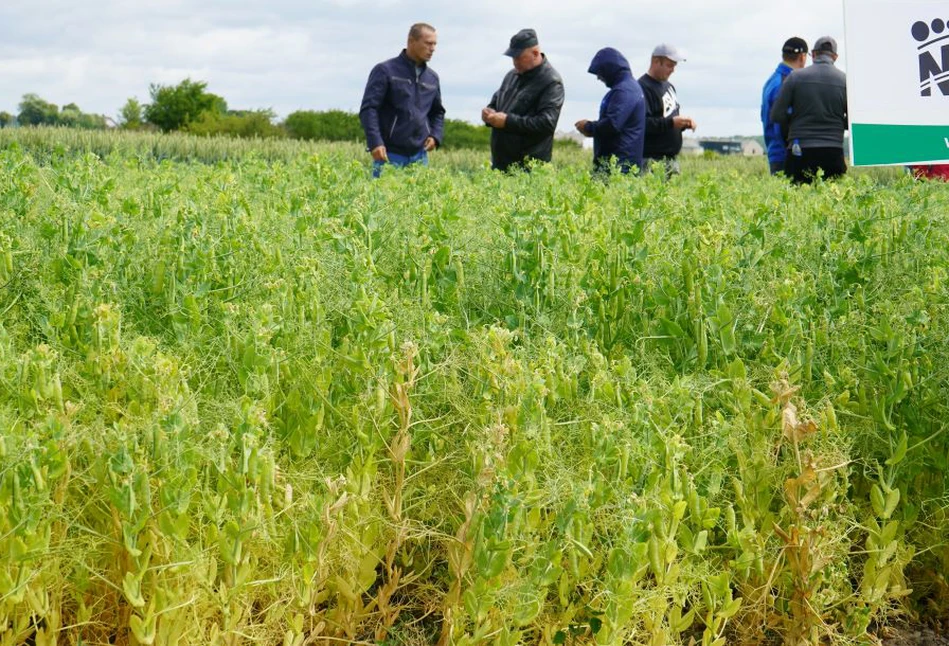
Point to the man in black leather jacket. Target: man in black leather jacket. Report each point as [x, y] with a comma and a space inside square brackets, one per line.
[523, 113]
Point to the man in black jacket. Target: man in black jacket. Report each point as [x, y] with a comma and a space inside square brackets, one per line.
[664, 124]
[402, 113]
[523, 113]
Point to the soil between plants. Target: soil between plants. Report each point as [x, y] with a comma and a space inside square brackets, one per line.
[916, 636]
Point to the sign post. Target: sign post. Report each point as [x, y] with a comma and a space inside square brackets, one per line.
[897, 81]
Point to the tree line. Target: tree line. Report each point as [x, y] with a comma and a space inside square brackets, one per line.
[190, 107]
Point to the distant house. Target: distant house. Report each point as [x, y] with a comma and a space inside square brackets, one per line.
[751, 148]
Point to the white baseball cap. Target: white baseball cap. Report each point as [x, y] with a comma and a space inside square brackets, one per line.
[669, 51]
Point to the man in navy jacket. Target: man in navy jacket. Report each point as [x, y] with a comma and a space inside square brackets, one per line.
[402, 113]
[620, 130]
[794, 53]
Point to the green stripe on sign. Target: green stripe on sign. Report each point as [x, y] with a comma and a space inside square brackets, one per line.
[875, 144]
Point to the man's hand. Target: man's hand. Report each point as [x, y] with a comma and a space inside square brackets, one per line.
[683, 123]
[493, 118]
[581, 126]
[429, 144]
[379, 154]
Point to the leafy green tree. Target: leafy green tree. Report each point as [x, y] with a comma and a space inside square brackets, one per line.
[461, 134]
[131, 114]
[332, 125]
[35, 111]
[175, 106]
[70, 115]
[6, 119]
[90, 121]
[237, 123]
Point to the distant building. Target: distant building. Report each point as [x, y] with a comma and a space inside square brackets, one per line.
[746, 147]
[690, 146]
[721, 146]
[751, 148]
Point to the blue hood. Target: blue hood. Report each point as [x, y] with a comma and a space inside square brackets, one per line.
[610, 65]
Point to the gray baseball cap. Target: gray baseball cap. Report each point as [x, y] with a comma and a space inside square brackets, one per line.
[826, 44]
[669, 51]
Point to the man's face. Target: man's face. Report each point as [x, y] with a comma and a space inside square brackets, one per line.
[526, 60]
[662, 68]
[422, 48]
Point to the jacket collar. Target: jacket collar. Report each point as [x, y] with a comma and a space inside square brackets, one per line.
[824, 59]
[408, 61]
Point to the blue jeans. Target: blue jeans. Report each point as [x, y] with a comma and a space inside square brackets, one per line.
[400, 161]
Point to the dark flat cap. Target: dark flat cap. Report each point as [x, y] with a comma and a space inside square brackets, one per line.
[520, 41]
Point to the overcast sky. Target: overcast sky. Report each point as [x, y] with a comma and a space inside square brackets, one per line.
[290, 55]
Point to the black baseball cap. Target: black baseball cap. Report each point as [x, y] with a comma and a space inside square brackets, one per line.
[794, 45]
[520, 41]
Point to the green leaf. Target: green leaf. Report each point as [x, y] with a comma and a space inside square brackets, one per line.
[892, 500]
[595, 624]
[671, 328]
[701, 540]
[682, 623]
[144, 630]
[730, 608]
[736, 370]
[131, 586]
[877, 501]
[900, 451]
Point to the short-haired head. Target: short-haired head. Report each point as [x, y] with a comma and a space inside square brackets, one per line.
[419, 28]
[422, 42]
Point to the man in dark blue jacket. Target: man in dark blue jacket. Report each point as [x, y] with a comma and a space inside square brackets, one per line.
[794, 53]
[620, 130]
[402, 113]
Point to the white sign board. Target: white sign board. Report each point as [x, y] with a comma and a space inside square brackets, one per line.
[897, 81]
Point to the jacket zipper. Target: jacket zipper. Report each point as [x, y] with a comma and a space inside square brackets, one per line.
[392, 129]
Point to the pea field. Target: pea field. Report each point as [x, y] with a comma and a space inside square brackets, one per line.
[249, 395]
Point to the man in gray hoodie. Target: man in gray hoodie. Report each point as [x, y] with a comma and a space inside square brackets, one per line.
[811, 109]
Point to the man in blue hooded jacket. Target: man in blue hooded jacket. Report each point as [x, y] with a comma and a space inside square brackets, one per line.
[794, 55]
[620, 130]
[402, 113]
